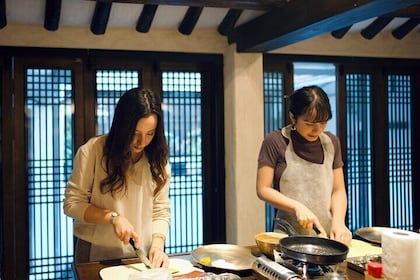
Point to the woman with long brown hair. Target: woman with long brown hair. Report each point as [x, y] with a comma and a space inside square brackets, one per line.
[119, 187]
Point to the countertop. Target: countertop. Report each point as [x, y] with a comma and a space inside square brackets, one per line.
[90, 271]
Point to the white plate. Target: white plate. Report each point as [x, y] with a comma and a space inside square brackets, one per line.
[372, 234]
[224, 256]
[122, 272]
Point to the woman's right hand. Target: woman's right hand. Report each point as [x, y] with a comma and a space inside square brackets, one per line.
[124, 230]
[307, 219]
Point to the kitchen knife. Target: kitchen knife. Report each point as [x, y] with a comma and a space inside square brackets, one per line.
[141, 254]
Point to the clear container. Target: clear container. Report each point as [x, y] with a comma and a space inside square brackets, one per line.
[334, 276]
[212, 276]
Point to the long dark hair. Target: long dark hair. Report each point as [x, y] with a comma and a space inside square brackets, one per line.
[133, 105]
[313, 100]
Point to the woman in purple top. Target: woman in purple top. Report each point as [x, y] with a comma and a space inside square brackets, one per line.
[300, 169]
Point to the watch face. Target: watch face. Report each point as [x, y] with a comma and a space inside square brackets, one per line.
[113, 216]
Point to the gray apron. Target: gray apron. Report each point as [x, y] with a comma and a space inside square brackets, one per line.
[309, 183]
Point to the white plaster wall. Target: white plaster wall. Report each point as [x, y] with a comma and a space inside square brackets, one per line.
[244, 132]
[165, 40]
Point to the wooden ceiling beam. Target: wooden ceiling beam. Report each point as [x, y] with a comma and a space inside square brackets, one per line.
[231, 4]
[3, 18]
[405, 28]
[370, 31]
[190, 20]
[412, 11]
[339, 33]
[299, 20]
[229, 21]
[52, 14]
[100, 17]
[146, 18]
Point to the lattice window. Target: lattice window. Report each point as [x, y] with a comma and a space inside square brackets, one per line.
[273, 101]
[49, 128]
[182, 113]
[273, 119]
[110, 85]
[400, 164]
[359, 150]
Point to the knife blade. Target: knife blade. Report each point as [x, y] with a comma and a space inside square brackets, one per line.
[141, 255]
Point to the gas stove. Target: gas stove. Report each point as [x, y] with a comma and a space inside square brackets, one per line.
[286, 269]
[305, 270]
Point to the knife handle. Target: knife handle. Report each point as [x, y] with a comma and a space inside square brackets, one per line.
[317, 231]
[132, 243]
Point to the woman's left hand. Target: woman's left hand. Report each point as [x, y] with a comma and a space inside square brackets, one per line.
[341, 233]
[158, 257]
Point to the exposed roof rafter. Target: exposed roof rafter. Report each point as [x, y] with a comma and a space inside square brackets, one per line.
[52, 14]
[229, 21]
[291, 23]
[100, 17]
[146, 18]
[339, 33]
[190, 20]
[405, 28]
[375, 27]
[3, 18]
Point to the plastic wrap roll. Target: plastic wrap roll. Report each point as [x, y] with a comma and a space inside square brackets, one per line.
[401, 254]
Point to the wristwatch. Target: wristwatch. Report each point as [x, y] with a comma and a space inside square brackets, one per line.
[114, 215]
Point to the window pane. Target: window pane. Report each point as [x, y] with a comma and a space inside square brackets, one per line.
[49, 132]
[110, 85]
[182, 113]
[400, 172]
[273, 119]
[322, 75]
[359, 150]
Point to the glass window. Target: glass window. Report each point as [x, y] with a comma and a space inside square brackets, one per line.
[322, 75]
[110, 85]
[400, 164]
[49, 128]
[182, 113]
[359, 150]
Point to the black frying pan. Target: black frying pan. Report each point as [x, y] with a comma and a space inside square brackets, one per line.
[315, 250]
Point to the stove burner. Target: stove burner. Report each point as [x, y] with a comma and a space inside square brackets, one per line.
[306, 270]
[314, 270]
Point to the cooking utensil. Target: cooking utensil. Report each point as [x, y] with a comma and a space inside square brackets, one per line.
[288, 228]
[224, 256]
[315, 250]
[141, 254]
[371, 234]
[311, 249]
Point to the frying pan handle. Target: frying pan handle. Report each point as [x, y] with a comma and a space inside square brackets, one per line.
[285, 226]
[316, 229]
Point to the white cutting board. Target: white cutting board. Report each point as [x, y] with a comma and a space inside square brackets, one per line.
[122, 272]
[359, 248]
